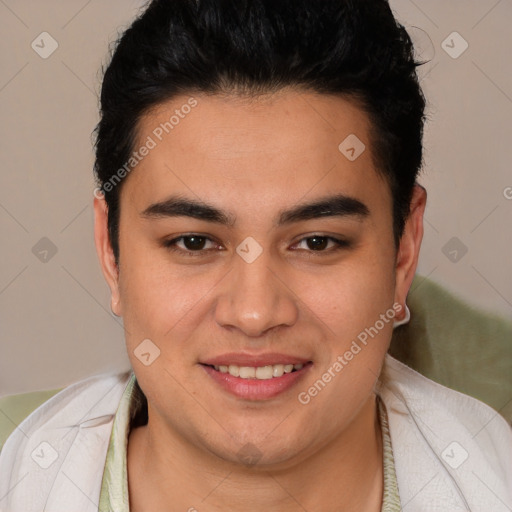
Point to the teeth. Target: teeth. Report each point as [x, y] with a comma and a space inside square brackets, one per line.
[234, 370]
[264, 372]
[260, 372]
[277, 370]
[247, 372]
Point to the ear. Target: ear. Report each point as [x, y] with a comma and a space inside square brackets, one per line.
[410, 243]
[105, 252]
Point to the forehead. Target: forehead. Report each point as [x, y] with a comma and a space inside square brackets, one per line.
[289, 144]
[229, 125]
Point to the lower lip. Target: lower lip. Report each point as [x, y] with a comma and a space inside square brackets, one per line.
[256, 389]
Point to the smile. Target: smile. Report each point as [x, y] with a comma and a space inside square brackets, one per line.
[258, 372]
[257, 383]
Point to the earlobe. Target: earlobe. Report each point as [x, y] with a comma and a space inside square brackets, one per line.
[105, 253]
[410, 244]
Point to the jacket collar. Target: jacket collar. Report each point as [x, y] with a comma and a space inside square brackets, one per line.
[55, 457]
[445, 444]
[432, 429]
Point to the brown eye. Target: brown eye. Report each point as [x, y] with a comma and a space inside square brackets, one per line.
[189, 244]
[194, 243]
[319, 243]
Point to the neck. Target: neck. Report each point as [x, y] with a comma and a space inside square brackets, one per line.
[167, 474]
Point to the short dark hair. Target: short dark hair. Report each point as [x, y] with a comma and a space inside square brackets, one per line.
[351, 48]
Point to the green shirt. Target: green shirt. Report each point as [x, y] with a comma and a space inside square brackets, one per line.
[114, 495]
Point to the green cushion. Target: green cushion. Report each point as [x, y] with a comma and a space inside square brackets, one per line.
[15, 408]
[457, 345]
[447, 340]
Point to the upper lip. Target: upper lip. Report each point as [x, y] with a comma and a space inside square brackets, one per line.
[244, 359]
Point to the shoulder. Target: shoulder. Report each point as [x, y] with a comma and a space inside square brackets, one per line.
[423, 394]
[440, 415]
[446, 433]
[62, 441]
[22, 412]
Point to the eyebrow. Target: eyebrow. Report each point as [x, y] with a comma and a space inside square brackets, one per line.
[338, 205]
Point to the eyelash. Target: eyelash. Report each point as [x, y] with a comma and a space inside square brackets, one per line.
[171, 245]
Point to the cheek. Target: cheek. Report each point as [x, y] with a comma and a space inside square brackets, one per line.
[153, 294]
[351, 296]
[159, 302]
[166, 303]
[359, 316]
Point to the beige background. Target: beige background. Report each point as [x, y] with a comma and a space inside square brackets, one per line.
[55, 322]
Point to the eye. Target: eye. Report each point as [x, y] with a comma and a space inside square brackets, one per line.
[319, 243]
[197, 245]
[190, 244]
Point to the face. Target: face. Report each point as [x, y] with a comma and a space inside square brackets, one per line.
[249, 239]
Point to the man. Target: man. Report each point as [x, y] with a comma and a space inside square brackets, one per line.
[259, 223]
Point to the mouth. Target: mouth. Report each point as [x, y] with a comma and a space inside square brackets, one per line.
[257, 382]
[267, 372]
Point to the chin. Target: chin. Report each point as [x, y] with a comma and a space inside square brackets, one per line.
[258, 456]
[258, 448]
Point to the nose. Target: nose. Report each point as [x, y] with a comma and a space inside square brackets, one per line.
[255, 297]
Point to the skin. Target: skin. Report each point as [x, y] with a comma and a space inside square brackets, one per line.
[254, 159]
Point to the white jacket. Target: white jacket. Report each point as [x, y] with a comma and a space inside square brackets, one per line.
[452, 453]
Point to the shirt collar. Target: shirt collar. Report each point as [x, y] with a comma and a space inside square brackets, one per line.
[132, 412]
